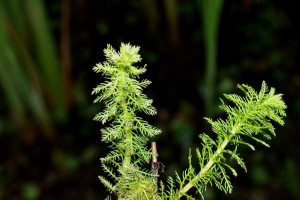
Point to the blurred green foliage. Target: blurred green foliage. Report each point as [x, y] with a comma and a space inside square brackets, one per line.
[49, 146]
[30, 191]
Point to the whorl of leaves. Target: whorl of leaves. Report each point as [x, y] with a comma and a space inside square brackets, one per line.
[128, 133]
[248, 118]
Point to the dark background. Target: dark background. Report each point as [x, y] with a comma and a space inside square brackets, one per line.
[49, 145]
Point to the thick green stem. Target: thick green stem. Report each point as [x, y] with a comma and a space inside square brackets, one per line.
[128, 132]
[128, 137]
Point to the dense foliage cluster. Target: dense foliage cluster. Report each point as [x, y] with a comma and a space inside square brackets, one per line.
[128, 133]
[249, 117]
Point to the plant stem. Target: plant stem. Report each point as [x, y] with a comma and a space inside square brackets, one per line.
[128, 133]
[210, 163]
[235, 130]
[128, 136]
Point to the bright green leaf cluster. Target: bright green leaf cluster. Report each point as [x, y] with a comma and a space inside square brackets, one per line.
[128, 133]
[249, 119]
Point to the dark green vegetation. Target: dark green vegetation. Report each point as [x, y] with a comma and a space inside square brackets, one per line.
[48, 145]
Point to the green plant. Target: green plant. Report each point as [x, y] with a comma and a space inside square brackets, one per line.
[33, 79]
[248, 117]
[211, 15]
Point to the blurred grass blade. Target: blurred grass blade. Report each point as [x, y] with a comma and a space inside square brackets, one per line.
[171, 10]
[15, 103]
[211, 11]
[18, 89]
[46, 53]
[65, 47]
[14, 9]
[151, 9]
[9, 90]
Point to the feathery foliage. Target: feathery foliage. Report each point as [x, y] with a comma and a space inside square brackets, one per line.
[128, 133]
[248, 119]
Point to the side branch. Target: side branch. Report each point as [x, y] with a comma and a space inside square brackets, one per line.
[209, 164]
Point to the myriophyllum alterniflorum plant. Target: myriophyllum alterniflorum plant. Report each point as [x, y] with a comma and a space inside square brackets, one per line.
[249, 118]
